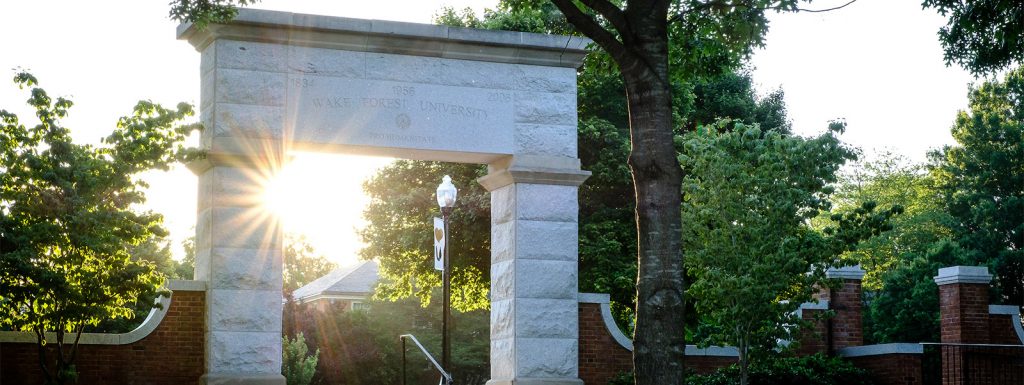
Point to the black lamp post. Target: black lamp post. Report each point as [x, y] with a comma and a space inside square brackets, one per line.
[446, 193]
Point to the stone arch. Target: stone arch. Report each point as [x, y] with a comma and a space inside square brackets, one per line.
[273, 82]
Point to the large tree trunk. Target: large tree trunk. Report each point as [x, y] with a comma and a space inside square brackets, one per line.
[659, 338]
[641, 51]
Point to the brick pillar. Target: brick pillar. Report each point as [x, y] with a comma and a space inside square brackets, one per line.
[963, 314]
[846, 328]
[963, 304]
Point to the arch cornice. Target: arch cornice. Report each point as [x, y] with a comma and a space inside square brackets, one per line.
[392, 37]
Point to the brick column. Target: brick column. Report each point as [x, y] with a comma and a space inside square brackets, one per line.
[963, 314]
[963, 303]
[846, 327]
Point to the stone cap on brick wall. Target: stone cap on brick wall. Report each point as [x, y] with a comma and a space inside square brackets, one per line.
[963, 274]
[846, 272]
[881, 349]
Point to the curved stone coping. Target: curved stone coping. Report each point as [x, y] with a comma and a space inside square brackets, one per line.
[626, 342]
[1014, 312]
[606, 315]
[881, 349]
[393, 37]
[156, 315]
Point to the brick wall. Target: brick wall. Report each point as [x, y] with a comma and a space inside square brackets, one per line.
[967, 318]
[1002, 331]
[892, 369]
[847, 328]
[814, 340]
[601, 356]
[172, 354]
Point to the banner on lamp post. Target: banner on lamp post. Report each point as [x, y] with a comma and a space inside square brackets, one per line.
[439, 244]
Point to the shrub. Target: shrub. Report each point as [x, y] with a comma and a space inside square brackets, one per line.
[297, 365]
[809, 370]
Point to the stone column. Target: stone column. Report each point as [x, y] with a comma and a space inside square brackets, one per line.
[238, 239]
[846, 327]
[239, 254]
[534, 251]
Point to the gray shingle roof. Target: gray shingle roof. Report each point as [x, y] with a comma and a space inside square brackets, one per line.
[353, 280]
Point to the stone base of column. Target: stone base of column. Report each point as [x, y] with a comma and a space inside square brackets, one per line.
[242, 379]
[537, 381]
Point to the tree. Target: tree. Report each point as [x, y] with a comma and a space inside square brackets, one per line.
[889, 181]
[749, 196]
[652, 42]
[983, 36]
[981, 179]
[302, 264]
[156, 252]
[902, 303]
[906, 308]
[402, 204]
[67, 224]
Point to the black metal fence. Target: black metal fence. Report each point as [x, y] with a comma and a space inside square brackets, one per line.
[973, 364]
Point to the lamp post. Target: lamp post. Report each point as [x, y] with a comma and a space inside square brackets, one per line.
[446, 193]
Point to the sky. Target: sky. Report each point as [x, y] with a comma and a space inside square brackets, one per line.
[877, 64]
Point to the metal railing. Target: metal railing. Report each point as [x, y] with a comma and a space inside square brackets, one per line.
[976, 364]
[446, 378]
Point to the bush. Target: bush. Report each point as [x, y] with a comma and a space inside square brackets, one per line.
[297, 365]
[809, 370]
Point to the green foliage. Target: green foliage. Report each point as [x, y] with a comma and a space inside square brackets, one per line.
[748, 197]
[983, 36]
[203, 12]
[906, 309]
[302, 264]
[710, 38]
[361, 347]
[775, 370]
[968, 210]
[892, 181]
[981, 179]
[398, 232]
[297, 365]
[810, 370]
[67, 223]
[157, 252]
[899, 264]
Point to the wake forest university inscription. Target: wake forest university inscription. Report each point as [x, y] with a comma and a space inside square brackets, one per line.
[395, 114]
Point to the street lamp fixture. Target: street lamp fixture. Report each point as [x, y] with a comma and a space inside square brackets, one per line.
[446, 194]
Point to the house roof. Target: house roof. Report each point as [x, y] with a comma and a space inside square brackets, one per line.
[352, 280]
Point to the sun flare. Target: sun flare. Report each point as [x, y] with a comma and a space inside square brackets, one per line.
[321, 196]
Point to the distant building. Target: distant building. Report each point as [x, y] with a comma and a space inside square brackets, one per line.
[343, 288]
